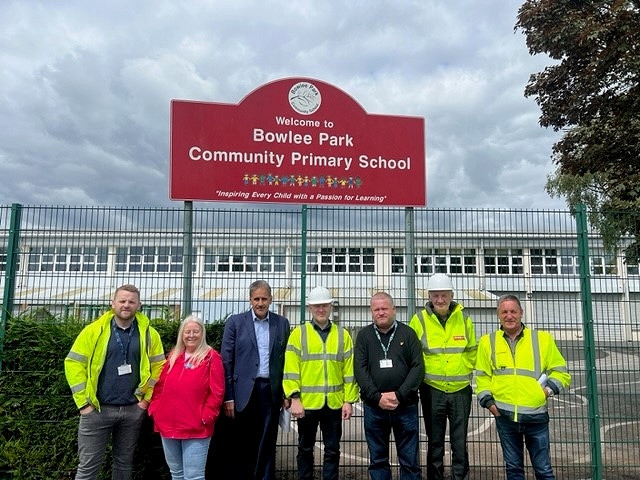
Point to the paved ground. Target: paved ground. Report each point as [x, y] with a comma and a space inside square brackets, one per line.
[618, 371]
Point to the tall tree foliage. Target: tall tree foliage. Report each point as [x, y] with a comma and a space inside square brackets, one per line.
[591, 93]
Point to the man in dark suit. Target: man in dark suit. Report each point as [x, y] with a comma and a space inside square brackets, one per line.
[253, 347]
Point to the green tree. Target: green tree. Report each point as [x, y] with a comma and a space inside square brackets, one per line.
[591, 93]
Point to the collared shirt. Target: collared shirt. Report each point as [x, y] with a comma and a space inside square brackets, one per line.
[323, 331]
[261, 327]
[512, 342]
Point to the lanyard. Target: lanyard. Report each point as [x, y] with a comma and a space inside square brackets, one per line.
[123, 349]
[385, 349]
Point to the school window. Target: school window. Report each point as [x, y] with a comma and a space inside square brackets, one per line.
[241, 259]
[440, 260]
[569, 262]
[604, 264]
[544, 261]
[397, 260]
[312, 261]
[503, 261]
[338, 260]
[67, 259]
[437, 260]
[276, 261]
[462, 260]
[149, 259]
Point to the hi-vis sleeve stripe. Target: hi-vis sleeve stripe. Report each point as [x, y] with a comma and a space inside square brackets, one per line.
[77, 357]
[79, 387]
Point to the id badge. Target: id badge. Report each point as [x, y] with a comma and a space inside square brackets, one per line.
[386, 363]
[124, 369]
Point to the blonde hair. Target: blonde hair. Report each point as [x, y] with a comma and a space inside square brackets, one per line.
[201, 352]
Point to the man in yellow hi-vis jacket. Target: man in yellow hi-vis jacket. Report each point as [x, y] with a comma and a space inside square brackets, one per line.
[112, 367]
[319, 381]
[449, 350]
[517, 370]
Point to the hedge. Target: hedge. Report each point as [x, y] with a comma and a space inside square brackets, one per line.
[38, 418]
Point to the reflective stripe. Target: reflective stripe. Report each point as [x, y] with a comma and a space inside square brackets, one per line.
[521, 409]
[535, 343]
[492, 342]
[157, 358]
[79, 387]
[321, 389]
[448, 378]
[305, 355]
[483, 394]
[291, 376]
[535, 347]
[481, 373]
[77, 356]
[293, 348]
[521, 372]
[423, 337]
[323, 356]
[447, 351]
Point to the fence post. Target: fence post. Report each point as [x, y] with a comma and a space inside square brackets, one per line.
[187, 263]
[589, 341]
[303, 265]
[409, 258]
[9, 293]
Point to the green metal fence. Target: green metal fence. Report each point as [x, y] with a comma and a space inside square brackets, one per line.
[66, 261]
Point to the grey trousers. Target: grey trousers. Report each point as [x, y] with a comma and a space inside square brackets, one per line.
[122, 426]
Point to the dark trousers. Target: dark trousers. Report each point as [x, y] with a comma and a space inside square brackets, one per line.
[536, 438]
[330, 422]
[378, 424]
[439, 407]
[256, 431]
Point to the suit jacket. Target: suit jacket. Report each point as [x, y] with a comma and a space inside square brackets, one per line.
[240, 357]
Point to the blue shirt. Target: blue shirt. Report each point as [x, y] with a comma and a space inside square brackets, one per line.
[261, 327]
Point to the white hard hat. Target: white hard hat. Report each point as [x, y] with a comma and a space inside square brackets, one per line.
[319, 296]
[439, 282]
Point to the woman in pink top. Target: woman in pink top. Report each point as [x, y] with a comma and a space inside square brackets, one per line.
[186, 401]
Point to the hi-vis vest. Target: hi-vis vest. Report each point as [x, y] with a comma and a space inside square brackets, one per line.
[512, 379]
[322, 372]
[85, 360]
[449, 352]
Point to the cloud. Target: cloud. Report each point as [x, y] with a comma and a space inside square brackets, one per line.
[84, 116]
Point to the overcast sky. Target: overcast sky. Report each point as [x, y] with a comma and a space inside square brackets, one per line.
[86, 89]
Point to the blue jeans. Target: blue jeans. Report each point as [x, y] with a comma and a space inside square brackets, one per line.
[536, 438]
[330, 422]
[186, 458]
[378, 424]
[95, 428]
[437, 408]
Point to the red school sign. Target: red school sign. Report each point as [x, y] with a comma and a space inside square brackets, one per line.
[296, 140]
